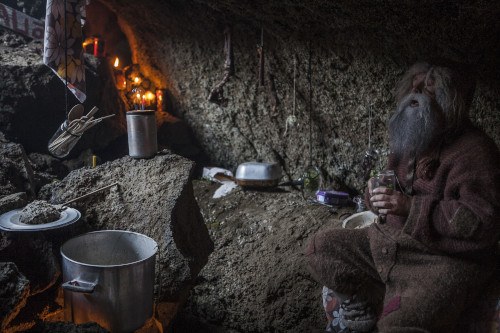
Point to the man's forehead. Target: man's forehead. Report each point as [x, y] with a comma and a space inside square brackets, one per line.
[419, 68]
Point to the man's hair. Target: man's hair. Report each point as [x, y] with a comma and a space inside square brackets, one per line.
[454, 89]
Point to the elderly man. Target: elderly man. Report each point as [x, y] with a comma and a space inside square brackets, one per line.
[434, 254]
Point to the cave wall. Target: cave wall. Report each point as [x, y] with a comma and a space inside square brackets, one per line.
[349, 55]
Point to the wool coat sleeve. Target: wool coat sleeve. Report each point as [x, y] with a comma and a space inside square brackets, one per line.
[458, 211]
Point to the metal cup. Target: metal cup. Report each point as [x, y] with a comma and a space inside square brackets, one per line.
[141, 129]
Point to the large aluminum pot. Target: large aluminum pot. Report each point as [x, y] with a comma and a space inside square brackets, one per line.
[108, 278]
[142, 137]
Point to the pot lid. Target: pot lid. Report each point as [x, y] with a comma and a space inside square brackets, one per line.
[10, 221]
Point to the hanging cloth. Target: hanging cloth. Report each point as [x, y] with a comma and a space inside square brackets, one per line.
[63, 51]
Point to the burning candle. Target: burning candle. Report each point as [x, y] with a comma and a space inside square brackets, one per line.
[96, 46]
[138, 98]
[159, 100]
[120, 80]
[150, 97]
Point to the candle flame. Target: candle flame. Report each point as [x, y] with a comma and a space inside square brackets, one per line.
[117, 62]
[150, 96]
[136, 79]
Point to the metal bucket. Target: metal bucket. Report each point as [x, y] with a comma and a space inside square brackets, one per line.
[141, 129]
[108, 278]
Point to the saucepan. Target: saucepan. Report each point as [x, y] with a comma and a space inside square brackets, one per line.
[108, 278]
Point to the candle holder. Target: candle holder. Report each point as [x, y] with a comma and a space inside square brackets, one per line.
[142, 133]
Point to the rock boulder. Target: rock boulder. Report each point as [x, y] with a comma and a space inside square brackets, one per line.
[14, 290]
[153, 197]
[16, 174]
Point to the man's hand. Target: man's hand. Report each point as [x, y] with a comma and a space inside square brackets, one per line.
[387, 201]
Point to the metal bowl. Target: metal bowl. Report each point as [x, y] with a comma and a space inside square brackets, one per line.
[258, 174]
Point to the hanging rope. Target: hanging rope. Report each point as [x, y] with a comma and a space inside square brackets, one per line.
[66, 103]
[260, 51]
[294, 84]
[309, 79]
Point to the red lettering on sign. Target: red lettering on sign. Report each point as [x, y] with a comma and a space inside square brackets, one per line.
[4, 15]
[21, 23]
[16, 27]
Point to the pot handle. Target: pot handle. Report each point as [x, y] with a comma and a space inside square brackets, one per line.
[79, 286]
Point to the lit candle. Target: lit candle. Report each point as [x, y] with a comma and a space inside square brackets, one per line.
[138, 98]
[121, 83]
[159, 100]
[96, 46]
[150, 97]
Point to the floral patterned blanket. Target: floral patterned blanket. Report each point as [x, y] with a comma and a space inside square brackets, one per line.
[63, 51]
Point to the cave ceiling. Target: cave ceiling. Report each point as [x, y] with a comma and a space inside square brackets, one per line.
[468, 28]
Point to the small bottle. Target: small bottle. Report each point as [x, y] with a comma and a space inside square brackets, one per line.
[312, 179]
[360, 204]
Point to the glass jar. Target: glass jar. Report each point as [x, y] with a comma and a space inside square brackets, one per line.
[63, 141]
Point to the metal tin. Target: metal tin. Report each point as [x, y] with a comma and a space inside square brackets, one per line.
[108, 278]
[258, 174]
[142, 137]
[332, 197]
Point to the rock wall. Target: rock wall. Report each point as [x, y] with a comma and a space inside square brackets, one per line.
[349, 56]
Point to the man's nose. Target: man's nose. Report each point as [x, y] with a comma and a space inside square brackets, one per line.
[418, 86]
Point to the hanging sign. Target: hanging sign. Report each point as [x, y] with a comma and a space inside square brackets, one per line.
[21, 23]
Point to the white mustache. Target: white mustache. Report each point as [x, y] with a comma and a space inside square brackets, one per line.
[421, 99]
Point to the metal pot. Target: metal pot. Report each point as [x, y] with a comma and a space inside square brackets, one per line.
[108, 278]
[142, 137]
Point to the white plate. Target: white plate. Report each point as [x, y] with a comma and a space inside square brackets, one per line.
[10, 221]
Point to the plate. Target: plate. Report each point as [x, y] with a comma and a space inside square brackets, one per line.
[10, 221]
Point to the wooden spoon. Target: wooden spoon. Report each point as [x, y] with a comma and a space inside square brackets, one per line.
[75, 112]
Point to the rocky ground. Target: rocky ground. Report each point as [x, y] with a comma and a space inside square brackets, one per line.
[256, 279]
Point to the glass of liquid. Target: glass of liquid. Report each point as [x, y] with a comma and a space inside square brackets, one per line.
[385, 178]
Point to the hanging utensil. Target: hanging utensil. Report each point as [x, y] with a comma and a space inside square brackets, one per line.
[292, 119]
[371, 154]
[68, 134]
[260, 52]
[312, 176]
[75, 112]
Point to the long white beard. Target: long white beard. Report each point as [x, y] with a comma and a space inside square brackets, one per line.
[413, 128]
